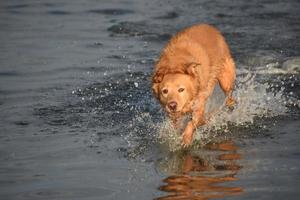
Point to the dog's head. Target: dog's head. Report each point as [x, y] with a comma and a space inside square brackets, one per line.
[175, 90]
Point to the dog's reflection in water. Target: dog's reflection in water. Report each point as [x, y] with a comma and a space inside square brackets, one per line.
[202, 174]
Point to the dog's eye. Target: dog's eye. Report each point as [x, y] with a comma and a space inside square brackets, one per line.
[181, 90]
[165, 91]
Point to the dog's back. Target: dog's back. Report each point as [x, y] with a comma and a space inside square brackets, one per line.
[202, 44]
[211, 40]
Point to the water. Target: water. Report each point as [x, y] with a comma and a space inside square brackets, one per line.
[78, 120]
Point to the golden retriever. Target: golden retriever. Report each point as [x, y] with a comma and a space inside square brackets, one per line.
[190, 65]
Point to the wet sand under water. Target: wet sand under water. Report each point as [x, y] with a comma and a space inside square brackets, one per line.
[78, 120]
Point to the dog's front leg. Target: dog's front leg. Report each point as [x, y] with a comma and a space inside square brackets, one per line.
[188, 133]
[198, 119]
[189, 130]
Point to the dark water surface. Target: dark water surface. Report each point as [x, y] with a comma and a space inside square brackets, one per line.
[78, 120]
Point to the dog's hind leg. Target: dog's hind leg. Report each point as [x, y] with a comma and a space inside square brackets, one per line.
[226, 80]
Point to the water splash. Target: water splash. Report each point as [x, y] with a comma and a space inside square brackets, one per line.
[136, 116]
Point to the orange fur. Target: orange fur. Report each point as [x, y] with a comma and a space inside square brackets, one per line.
[190, 65]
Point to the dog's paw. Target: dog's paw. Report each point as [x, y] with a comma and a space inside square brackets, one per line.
[230, 103]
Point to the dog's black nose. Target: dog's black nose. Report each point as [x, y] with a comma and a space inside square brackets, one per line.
[172, 105]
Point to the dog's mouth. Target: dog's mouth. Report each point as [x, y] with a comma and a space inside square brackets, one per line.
[173, 112]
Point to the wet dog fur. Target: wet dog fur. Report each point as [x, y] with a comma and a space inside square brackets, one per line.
[190, 65]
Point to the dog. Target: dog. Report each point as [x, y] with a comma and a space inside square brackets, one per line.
[190, 65]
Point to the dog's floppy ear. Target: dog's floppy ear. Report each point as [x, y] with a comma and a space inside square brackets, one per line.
[158, 76]
[155, 90]
[191, 68]
[156, 80]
